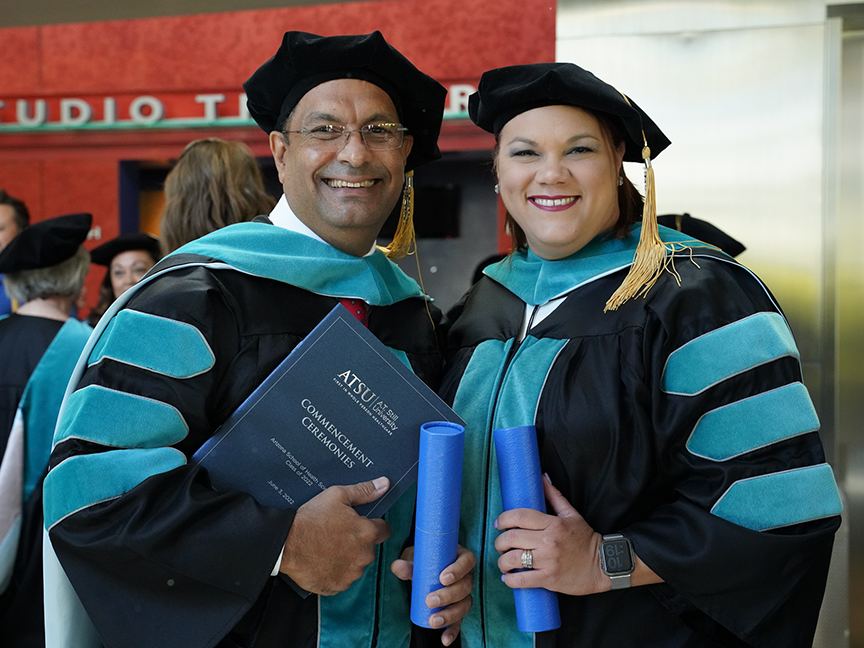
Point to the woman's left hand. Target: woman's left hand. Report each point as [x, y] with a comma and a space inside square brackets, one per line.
[565, 549]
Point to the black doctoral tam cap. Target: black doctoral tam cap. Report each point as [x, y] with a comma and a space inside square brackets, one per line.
[702, 230]
[105, 253]
[506, 92]
[46, 243]
[304, 61]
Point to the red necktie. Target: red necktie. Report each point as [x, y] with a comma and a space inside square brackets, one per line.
[358, 308]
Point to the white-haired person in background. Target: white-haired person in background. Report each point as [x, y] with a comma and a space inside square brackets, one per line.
[45, 266]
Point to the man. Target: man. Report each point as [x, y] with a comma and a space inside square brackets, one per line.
[14, 218]
[45, 266]
[156, 556]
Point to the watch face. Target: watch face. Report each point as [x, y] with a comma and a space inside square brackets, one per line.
[617, 558]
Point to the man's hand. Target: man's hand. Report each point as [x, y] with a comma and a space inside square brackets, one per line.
[329, 544]
[454, 597]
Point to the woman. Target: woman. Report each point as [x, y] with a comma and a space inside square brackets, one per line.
[214, 183]
[45, 266]
[128, 258]
[674, 426]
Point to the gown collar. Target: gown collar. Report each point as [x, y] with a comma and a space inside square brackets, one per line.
[536, 281]
[288, 256]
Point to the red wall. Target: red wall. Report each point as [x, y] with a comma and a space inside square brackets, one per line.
[62, 172]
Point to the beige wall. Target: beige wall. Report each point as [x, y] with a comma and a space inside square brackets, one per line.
[763, 101]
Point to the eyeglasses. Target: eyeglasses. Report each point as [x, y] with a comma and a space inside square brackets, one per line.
[376, 137]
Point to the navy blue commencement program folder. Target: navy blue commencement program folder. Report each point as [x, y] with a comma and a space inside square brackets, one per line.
[340, 409]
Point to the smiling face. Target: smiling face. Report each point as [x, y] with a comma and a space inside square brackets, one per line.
[343, 193]
[558, 176]
[127, 268]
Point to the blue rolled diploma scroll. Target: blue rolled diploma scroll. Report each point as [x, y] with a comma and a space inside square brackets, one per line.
[522, 487]
[436, 530]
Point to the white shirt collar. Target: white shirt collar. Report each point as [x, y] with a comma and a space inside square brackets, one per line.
[283, 216]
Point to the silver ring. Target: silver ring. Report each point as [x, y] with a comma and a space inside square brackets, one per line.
[527, 559]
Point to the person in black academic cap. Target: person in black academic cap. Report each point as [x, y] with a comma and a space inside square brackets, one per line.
[45, 266]
[157, 557]
[689, 502]
[128, 258]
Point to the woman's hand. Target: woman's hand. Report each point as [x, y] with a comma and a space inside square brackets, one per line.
[565, 549]
[454, 597]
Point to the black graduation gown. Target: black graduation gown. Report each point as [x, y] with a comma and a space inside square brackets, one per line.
[167, 561]
[38, 355]
[23, 340]
[675, 421]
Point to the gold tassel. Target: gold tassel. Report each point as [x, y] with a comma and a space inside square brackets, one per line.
[651, 253]
[404, 237]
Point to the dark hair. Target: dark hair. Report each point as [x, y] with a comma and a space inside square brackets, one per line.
[106, 295]
[630, 201]
[19, 210]
[214, 183]
[106, 298]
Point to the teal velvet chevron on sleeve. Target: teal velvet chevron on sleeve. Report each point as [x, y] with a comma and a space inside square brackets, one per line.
[781, 499]
[147, 423]
[753, 423]
[158, 344]
[85, 480]
[726, 352]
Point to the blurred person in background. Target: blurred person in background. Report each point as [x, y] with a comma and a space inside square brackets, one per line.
[14, 218]
[214, 183]
[128, 258]
[45, 266]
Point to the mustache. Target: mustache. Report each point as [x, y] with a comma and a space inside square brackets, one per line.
[344, 170]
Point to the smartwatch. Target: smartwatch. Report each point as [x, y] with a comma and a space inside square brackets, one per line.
[616, 560]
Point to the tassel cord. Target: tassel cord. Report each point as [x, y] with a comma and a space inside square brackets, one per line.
[405, 237]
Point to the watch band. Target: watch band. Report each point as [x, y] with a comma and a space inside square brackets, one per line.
[619, 581]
